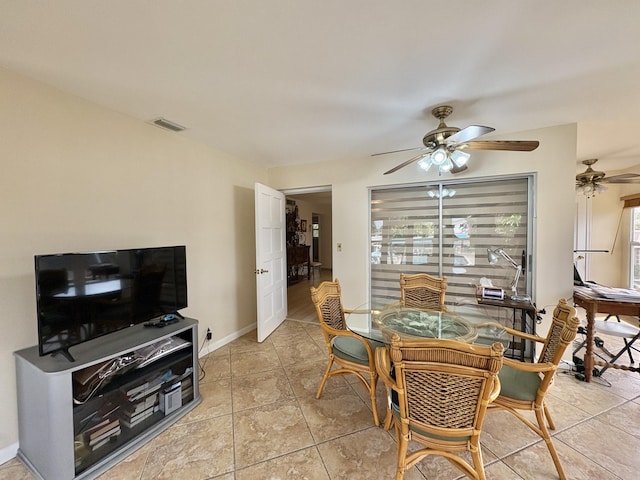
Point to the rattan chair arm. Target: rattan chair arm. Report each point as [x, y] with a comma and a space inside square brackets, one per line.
[383, 366]
[529, 367]
[495, 393]
[526, 336]
[347, 312]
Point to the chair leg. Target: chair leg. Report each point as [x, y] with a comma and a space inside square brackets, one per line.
[372, 394]
[324, 377]
[627, 348]
[547, 414]
[478, 463]
[403, 445]
[540, 416]
[388, 417]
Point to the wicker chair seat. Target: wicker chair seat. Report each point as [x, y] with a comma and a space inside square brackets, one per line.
[352, 349]
[519, 384]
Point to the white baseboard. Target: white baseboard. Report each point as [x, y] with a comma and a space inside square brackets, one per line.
[212, 346]
[8, 453]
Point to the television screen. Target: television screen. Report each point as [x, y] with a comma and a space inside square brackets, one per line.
[81, 296]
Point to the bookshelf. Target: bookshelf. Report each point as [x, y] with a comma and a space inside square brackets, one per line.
[78, 419]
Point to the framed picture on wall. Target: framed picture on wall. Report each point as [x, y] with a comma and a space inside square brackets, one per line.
[303, 225]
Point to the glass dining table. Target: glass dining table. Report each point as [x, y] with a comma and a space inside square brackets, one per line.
[460, 322]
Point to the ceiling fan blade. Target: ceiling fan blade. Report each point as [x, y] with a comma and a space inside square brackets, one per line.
[396, 151]
[469, 133]
[516, 145]
[408, 162]
[622, 178]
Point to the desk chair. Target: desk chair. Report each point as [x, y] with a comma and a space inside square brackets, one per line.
[627, 332]
[443, 389]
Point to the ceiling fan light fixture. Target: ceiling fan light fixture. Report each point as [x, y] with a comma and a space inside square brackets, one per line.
[446, 166]
[460, 158]
[443, 193]
[425, 163]
[590, 189]
[439, 156]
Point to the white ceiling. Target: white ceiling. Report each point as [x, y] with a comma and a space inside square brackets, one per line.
[291, 81]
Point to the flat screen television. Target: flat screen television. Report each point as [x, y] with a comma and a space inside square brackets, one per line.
[82, 296]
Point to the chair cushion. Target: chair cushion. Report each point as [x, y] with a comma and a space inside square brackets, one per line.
[517, 384]
[351, 349]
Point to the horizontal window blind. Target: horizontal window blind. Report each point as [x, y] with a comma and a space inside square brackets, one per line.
[445, 230]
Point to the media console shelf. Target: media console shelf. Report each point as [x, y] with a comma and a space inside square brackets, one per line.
[76, 422]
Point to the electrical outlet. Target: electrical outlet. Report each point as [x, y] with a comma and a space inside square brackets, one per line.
[209, 334]
[339, 247]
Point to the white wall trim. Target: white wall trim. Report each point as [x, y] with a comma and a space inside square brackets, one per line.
[212, 346]
[8, 453]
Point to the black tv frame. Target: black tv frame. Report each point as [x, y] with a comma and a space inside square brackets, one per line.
[81, 296]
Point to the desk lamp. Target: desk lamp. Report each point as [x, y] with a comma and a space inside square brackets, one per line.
[493, 256]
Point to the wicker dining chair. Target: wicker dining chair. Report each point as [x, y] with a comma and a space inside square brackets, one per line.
[443, 388]
[525, 385]
[352, 353]
[422, 290]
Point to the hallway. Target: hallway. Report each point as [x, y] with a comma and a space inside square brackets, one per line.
[299, 303]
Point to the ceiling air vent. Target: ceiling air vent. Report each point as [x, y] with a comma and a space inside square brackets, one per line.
[164, 123]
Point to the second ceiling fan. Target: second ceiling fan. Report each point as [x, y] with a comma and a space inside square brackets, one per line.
[445, 147]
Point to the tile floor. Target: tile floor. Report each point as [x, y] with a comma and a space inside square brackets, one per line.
[259, 419]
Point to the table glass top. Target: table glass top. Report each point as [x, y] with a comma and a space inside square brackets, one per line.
[461, 323]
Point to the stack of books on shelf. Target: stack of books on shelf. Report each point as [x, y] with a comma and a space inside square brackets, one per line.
[104, 432]
[143, 399]
[140, 410]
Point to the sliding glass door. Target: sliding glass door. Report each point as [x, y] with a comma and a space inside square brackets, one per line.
[446, 229]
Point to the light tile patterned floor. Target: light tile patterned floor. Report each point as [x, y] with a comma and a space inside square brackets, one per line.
[259, 419]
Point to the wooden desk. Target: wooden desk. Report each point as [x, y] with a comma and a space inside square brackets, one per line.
[592, 303]
[297, 260]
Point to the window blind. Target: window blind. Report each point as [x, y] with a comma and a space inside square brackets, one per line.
[445, 229]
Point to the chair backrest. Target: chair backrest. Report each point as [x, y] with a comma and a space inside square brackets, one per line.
[564, 327]
[328, 302]
[422, 290]
[444, 385]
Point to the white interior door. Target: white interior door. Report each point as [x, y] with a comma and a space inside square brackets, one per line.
[271, 278]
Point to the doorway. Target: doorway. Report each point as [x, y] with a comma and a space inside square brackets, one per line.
[313, 220]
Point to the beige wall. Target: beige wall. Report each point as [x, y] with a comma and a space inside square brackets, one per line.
[606, 226]
[553, 163]
[78, 177]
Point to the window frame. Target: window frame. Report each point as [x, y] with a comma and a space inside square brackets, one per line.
[634, 248]
[527, 283]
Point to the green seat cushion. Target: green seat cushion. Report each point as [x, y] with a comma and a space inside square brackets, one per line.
[353, 350]
[517, 384]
